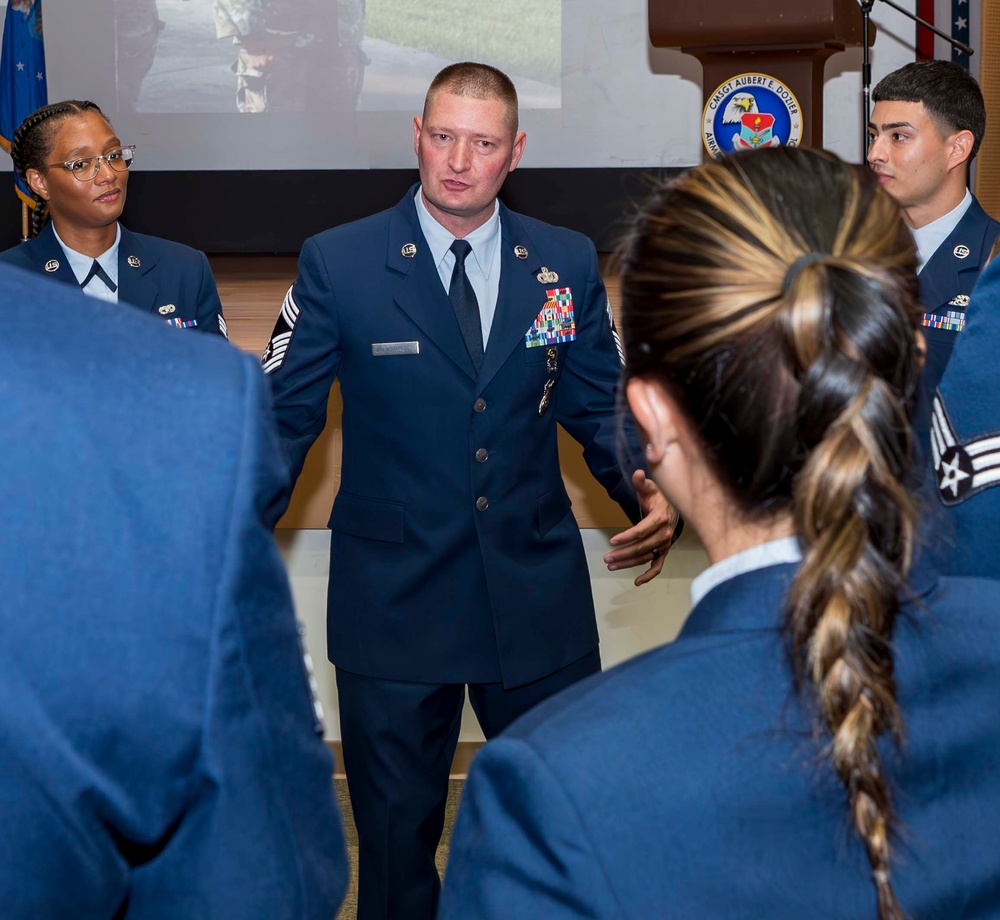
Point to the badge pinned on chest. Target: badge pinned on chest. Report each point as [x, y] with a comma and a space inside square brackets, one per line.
[555, 322]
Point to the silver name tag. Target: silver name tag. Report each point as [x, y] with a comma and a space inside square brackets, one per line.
[384, 349]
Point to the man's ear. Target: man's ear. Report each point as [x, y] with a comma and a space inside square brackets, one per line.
[655, 413]
[960, 147]
[417, 122]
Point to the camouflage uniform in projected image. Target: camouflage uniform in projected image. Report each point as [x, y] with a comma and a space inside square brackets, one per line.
[137, 28]
[295, 55]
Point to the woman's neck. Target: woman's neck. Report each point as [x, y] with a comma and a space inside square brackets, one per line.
[731, 535]
[91, 241]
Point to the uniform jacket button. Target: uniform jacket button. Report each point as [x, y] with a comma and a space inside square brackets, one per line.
[481, 455]
[479, 405]
[482, 503]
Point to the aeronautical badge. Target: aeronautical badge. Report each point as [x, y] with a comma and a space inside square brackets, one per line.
[555, 322]
[520, 252]
[749, 112]
[277, 347]
[959, 300]
[962, 468]
[52, 265]
[409, 250]
[134, 261]
[166, 308]
[961, 252]
[546, 277]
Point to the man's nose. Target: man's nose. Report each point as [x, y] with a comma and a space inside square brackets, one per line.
[876, 150]
[459, 159]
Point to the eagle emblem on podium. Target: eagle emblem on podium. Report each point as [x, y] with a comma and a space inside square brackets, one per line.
[764, 109]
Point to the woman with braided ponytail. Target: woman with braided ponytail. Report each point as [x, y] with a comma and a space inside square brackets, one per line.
[823, 738]
[76, 168]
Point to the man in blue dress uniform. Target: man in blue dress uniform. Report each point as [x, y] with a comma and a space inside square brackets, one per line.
[461, 333]
[161, 754]
[927, 124]
[965, 435]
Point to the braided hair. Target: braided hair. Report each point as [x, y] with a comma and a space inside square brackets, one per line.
[774, 295]
[31, 147]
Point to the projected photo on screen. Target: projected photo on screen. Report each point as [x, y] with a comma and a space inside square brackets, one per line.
[301, 56]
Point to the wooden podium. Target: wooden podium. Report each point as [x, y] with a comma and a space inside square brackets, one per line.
[789, 40]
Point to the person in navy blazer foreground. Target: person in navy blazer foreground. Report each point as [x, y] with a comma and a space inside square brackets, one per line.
[162, 757]
[455, 558]
[822, 738]
[965, 434]
[76, 167]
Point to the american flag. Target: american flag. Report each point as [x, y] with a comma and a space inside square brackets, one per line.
[956, 17]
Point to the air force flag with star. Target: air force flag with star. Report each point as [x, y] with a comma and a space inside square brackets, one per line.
[22, 72]
[965, 433]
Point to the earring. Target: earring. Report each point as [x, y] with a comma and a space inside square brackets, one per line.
[650, 450]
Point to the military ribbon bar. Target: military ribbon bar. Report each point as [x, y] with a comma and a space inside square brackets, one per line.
[555, 322]
[953, 321]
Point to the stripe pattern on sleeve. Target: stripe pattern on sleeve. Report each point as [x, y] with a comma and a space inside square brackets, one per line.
[963, 468]
[615, 336]
[277, 347]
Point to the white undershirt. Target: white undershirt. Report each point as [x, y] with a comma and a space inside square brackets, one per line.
[932, 235]
[482, 265]
[774, 552]
[108, 260]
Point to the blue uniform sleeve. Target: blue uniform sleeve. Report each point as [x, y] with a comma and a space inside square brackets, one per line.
[303, 357]
[587, 394]
[519, 847]
[261, 834]
[209, 316]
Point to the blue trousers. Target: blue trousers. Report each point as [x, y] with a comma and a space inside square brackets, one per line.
[399, 741]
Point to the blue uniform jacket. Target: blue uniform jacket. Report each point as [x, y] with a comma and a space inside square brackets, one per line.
[946, 283]
[153, 275]
[965, 435]
[159, 758]
[686, 783]
[452, 542]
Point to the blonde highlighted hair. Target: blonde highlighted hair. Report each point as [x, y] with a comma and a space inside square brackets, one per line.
[774, 294]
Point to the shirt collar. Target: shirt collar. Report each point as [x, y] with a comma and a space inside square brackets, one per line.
[932, 235]
[774, 552]
[483, 240]
[108, 260]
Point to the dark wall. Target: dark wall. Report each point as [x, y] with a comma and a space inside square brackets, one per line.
[274, 211]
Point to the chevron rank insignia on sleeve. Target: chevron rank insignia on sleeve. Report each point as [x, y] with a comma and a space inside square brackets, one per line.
[962, 469]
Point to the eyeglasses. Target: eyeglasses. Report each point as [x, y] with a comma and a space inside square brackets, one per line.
[87, 168]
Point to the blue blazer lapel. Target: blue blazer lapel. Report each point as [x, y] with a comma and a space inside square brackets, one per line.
[419, 292]
[520, 299]
[46, 251]
[941, 279]
[135, 287]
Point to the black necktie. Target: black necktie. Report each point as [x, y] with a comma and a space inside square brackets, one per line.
[96, 269]
[463, 299]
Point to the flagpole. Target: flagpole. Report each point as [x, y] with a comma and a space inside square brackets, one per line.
[24, 222]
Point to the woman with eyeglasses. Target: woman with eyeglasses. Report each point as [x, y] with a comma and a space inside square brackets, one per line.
[76, 168]
[823, 738]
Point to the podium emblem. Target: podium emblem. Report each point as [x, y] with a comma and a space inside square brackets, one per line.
[751, 111]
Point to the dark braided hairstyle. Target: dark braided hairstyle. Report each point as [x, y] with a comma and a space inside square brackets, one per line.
[774, 295]
[31, 146]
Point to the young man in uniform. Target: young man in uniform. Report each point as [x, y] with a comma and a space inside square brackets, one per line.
[927, 124]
